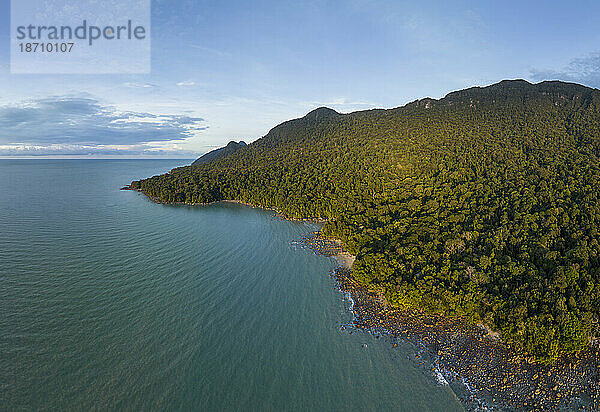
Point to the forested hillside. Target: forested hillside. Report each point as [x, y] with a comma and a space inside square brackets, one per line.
[219, 153]
[483, 204]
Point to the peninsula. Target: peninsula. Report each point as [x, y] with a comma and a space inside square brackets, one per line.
[481, 206]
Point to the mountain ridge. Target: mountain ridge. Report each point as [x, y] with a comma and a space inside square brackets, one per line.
[220, 153]
[482, 204]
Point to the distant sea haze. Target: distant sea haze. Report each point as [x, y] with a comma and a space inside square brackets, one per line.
[111, 301]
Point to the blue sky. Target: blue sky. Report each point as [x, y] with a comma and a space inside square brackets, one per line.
[231, 70]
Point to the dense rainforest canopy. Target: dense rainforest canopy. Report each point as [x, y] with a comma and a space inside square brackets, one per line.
[219, 153]
[483, 204]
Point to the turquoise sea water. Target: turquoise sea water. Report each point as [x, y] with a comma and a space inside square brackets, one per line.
[109, 301]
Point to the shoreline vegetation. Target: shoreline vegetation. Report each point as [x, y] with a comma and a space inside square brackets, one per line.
[469, 354]
[279, 213]
[483, 206]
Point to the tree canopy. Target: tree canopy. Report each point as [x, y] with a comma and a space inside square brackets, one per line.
[483, 204]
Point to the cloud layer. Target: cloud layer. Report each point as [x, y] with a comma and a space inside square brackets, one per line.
[585, 70]
[82, 125]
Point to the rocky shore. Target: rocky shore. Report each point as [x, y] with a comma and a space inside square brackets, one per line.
[496, 376]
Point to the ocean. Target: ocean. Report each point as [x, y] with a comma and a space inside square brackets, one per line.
[109, 301]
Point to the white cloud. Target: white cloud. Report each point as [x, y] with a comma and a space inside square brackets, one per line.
[342, 104]
[82, 125]
[585, 70]
[95, 150]
[134, 85]
[186, 83]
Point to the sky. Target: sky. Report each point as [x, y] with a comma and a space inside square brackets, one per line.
[232, 70]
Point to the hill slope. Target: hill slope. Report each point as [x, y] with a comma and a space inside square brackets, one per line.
[483, 204]
[219, 153]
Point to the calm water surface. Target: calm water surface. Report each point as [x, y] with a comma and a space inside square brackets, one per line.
[109, 301]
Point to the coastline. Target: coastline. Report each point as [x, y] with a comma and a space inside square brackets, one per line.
[470, 355]
[465, 354]
[280, 214]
